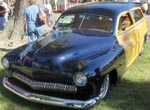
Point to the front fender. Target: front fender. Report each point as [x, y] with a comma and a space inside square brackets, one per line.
[114, 59]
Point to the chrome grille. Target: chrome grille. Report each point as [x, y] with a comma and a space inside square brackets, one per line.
[37, 85]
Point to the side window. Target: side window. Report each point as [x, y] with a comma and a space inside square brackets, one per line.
[137, 15]
[124, 22]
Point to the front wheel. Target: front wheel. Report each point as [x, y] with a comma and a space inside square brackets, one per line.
[104, 87]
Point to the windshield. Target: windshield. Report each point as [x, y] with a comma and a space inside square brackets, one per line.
[86, 21]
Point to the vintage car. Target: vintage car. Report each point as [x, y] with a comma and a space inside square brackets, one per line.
[89, 48]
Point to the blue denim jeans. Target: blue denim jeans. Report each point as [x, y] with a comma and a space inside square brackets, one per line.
[2, 23]
[34, 33]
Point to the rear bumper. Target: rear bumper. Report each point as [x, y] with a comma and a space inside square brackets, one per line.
[78, 104]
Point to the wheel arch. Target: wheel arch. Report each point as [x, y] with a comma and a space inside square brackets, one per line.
[113, 77]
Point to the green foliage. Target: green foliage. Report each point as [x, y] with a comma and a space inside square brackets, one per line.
[52, 2]
[132, 92]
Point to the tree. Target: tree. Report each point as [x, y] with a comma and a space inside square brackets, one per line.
[13, 33]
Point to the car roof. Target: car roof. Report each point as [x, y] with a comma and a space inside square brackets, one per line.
[102, 8]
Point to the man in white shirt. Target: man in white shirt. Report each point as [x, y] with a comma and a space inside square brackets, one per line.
[145, 6]
[48, 11]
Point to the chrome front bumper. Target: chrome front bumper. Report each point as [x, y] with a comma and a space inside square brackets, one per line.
[78, 104]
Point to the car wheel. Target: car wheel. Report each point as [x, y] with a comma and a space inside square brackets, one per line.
[104, 87]
[142, 50]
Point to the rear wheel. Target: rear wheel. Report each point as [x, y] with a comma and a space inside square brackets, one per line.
[104, 87]
[142, 50]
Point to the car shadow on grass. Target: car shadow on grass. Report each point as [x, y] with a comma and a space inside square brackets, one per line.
[126, 95]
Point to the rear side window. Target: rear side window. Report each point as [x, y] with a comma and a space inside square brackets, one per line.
[137, 15]
[124, 22]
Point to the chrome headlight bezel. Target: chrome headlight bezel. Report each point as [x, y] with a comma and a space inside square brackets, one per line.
[5, 63]
[80, 79]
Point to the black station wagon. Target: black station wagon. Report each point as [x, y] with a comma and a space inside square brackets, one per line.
[90, 47]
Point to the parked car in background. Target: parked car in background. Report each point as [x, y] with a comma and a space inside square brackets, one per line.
[90, 47]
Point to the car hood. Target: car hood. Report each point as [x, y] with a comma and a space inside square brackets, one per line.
[69, 47]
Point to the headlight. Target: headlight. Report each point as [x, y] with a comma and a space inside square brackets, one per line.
[5, 63]
[80, 79]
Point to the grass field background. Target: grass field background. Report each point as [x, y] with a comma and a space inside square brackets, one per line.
[132, 92]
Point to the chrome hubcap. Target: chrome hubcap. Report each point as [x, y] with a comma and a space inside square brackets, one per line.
[104, 87]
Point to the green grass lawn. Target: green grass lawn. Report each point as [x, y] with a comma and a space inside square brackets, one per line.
[132, 92]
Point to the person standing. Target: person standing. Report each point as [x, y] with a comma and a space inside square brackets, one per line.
[148, 12]
[145, 6]
[32, 26]
[3, 15]
[48, 11]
